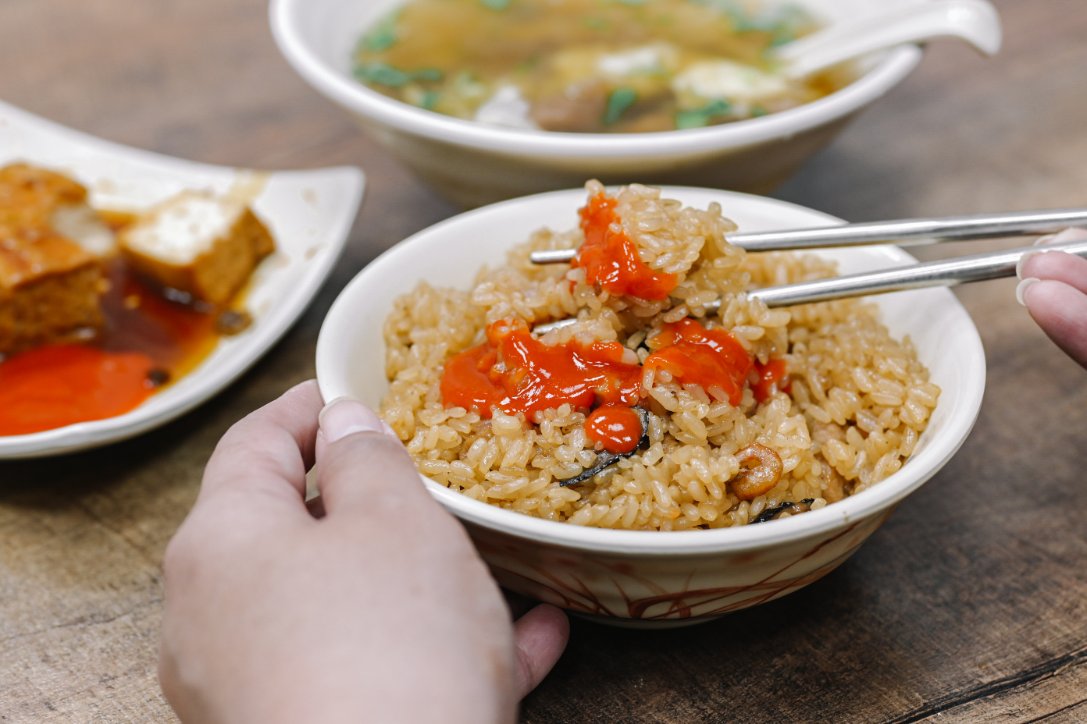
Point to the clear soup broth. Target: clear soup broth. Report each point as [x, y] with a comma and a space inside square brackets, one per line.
[589, 66]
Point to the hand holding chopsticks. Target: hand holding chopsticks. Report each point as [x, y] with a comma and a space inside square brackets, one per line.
[1054, 291]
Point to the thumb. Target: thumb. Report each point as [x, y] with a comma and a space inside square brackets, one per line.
[1061, 311]
[361, 464]
[539, 639]
[1071, 234]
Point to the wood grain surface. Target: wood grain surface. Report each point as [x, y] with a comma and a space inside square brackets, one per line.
[970, 604]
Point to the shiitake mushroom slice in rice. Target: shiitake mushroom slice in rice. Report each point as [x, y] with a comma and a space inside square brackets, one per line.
[788, 506]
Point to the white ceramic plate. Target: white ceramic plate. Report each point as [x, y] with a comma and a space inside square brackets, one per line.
[309, 212]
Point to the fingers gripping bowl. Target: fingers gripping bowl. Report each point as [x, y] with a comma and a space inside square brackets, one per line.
[656, 576]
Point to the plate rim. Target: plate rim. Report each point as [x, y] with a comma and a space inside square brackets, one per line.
[349, 180]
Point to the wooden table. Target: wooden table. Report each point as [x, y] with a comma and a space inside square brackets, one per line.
[969, 604]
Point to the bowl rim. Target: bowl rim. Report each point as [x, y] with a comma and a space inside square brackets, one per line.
[891, 68]
[836, 516]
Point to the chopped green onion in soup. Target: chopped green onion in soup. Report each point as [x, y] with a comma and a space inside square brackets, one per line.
[588, 66]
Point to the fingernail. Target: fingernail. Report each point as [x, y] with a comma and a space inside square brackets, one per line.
[1073, 233]
[344, 416]
[1022, 262]
[1021, 289]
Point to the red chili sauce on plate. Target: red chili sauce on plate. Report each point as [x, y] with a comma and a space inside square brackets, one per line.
[146, 342]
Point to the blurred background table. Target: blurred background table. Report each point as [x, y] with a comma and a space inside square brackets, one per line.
[969, 604]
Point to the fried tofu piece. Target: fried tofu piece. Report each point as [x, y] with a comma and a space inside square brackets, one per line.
[198, 243]
[52, 246]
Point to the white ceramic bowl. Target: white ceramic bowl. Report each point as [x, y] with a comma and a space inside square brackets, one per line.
[473, 163]
[642, 576]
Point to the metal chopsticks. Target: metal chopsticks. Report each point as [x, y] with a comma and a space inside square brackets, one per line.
[903, 232]
[949, 272]
[960, 270]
